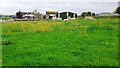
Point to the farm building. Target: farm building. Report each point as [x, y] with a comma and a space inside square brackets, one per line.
[67, 15]
[28, 16]
[51, 14]
[64, 15]
[35, 15]
[107, 14]
[24, 15]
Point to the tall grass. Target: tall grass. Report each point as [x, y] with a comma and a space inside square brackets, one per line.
[57, 43]
[0, 45]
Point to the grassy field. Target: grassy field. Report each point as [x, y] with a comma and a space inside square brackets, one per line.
[58, 43]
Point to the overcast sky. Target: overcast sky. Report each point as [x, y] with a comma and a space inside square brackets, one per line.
[78, 6]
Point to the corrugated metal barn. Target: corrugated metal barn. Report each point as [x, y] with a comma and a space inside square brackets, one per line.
[67, 15]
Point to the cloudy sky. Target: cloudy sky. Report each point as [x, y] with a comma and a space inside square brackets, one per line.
[78, 6]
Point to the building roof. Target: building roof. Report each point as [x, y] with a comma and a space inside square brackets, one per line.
[69, 12]
[51, 12]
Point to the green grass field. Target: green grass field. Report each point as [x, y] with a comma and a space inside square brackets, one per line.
[58, 43]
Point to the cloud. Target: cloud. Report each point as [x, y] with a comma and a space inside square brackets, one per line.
[63, 0]
[74, 6]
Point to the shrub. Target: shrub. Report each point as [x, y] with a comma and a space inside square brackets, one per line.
[7, 42]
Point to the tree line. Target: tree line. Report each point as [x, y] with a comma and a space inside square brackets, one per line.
[84, 14]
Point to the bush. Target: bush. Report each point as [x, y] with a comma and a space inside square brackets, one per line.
[84, 14]
[7, 42]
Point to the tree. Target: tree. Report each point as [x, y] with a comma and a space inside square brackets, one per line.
[83, 14]
[93, 14]
[88, 13]
[19, 14]
[118, 10]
